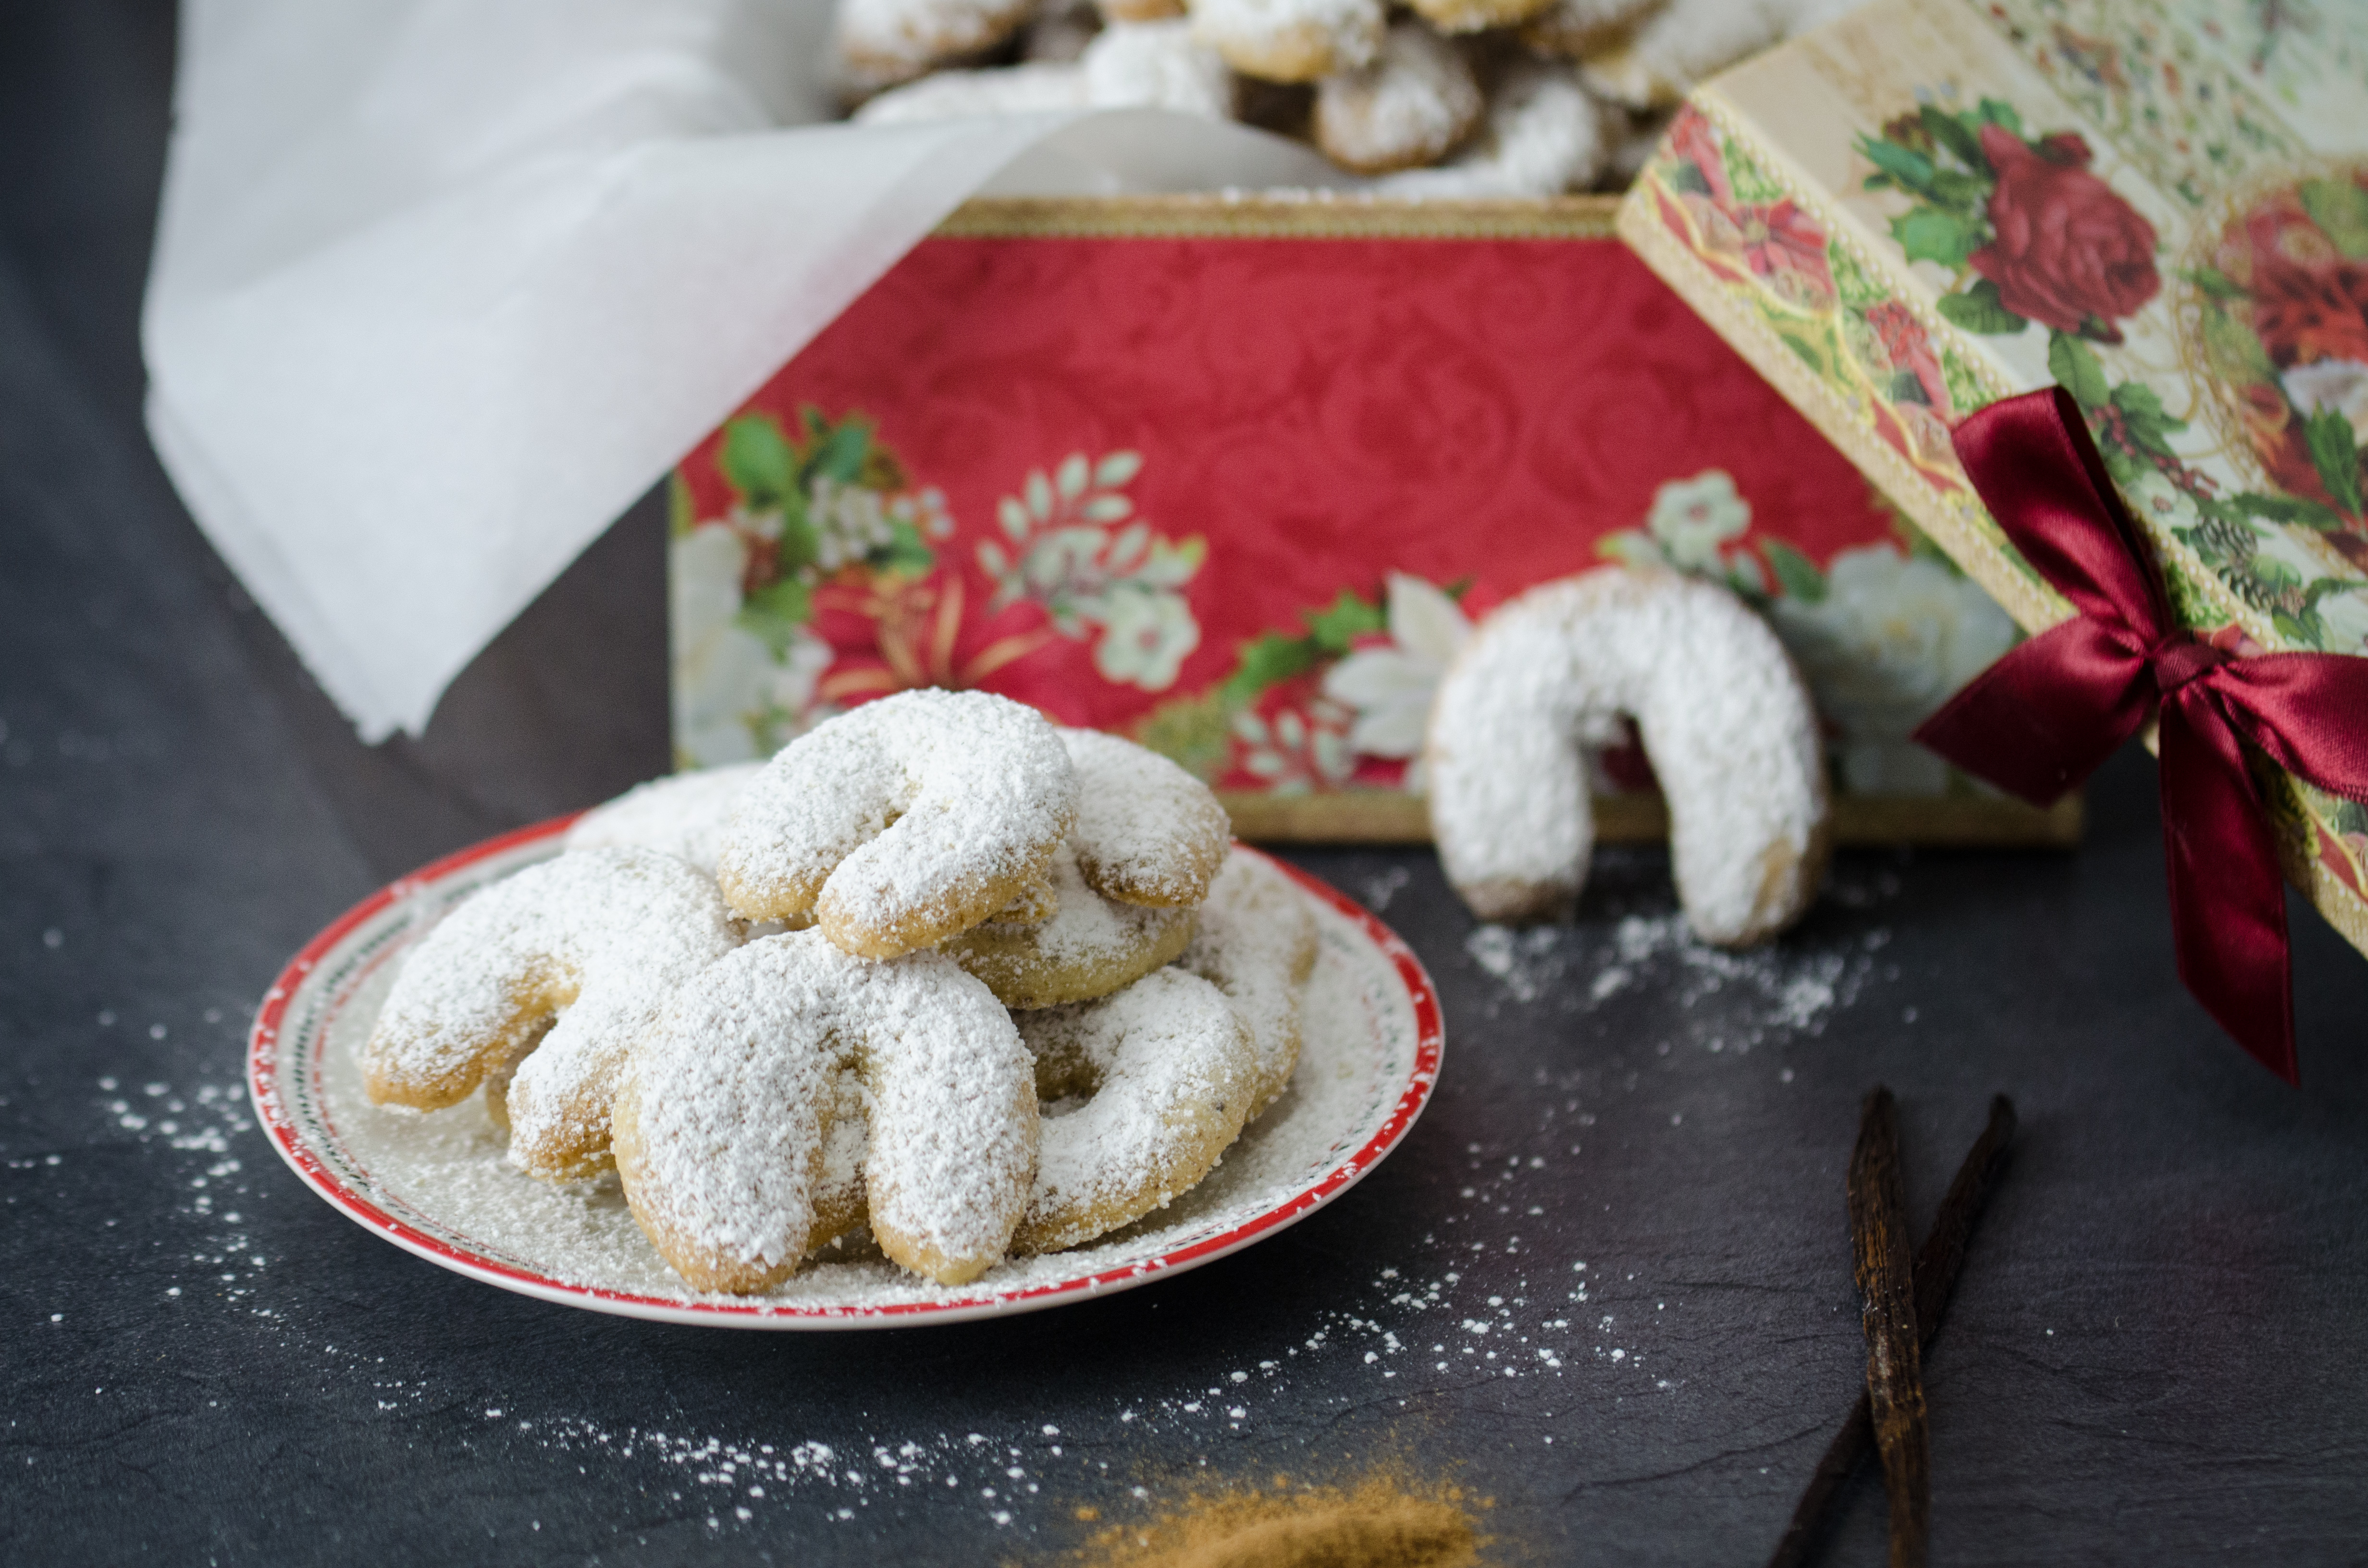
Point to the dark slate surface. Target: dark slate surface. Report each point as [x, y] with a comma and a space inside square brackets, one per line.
[2155, 1355]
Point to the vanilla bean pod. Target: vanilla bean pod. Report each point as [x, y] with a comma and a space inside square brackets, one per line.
[1936, 1276]
[1887, 1283]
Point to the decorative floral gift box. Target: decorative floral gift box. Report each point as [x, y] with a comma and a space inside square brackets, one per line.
[2161, 205]
[1235, 478]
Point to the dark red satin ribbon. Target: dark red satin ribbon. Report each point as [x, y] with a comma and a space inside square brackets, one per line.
[2041, 719]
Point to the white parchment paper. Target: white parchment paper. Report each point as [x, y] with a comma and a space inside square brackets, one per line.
[442, 285]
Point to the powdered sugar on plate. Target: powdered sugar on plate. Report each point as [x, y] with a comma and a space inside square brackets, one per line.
[1368, 1058]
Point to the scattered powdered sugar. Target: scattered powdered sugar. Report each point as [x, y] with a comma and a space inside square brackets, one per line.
[1776, 991]
[444, 1172]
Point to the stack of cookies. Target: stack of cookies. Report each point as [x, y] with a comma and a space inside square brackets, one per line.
[997, 986]
[1444, 97]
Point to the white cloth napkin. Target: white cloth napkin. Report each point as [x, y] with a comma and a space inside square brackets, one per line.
[442, 285]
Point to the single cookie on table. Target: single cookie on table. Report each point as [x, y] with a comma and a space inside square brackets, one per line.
[538, 986]
[1256, 943]
[1172, 1074]
[1544, 135]
[1409, 108]
[903, 822]
[1291, 40]
[1090, 947]
[883, 42]
[726, 1123]
[1157, 64]
[1724, 717]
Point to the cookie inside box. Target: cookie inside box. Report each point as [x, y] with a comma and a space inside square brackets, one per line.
[1234, 477]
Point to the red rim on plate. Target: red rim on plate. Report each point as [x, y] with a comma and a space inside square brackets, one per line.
[283, 1115]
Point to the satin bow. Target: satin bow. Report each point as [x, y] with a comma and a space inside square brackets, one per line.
[2041, 719]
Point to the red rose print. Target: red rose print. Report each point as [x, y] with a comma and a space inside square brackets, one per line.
[1911, 348]
[2068, 250]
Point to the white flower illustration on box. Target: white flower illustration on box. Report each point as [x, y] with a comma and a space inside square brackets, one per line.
[1145, 636]
[1292, 751]
[1692, 522]
[734, 698]
[1102, 575]
[1389, 685]
[1891, 638]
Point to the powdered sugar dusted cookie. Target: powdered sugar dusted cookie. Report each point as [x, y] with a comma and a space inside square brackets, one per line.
[1116, 11]
[1577, 29]
[1475, 15]
[1157, 64]
[541, 983]
[903, 822]
[1410, 106]
[1089, 947]
[883, 42]
[683, 816]
[1544, 135]
[1147, 831]
[1257, 944]
[1724, 717]
[1291, 40]
[1172, 1074]
[725, 1123]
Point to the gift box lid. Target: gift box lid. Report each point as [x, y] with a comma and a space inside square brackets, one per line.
[2161, 205]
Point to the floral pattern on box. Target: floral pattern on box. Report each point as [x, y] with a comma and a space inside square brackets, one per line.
[2120, 197]
[822, 585]
[2168, 103]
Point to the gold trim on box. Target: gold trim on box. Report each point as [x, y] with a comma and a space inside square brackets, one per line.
[1384, 816]
[1278, 218]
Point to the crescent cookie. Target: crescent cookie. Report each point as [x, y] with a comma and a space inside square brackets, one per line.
[595, 939]
[1410, 106]
[1725, 719]
[683, 815]
[1147, 831]
[1257, 944]
[1172, 1072]
[883, 42]
[726, 1122]
[1476, 16]
[902, 822]
[1089, 947]
[1291, 41]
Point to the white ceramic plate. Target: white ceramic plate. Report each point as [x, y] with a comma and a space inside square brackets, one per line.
[435, 1184]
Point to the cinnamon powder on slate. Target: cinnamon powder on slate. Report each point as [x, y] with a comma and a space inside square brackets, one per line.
[1381, 1522]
